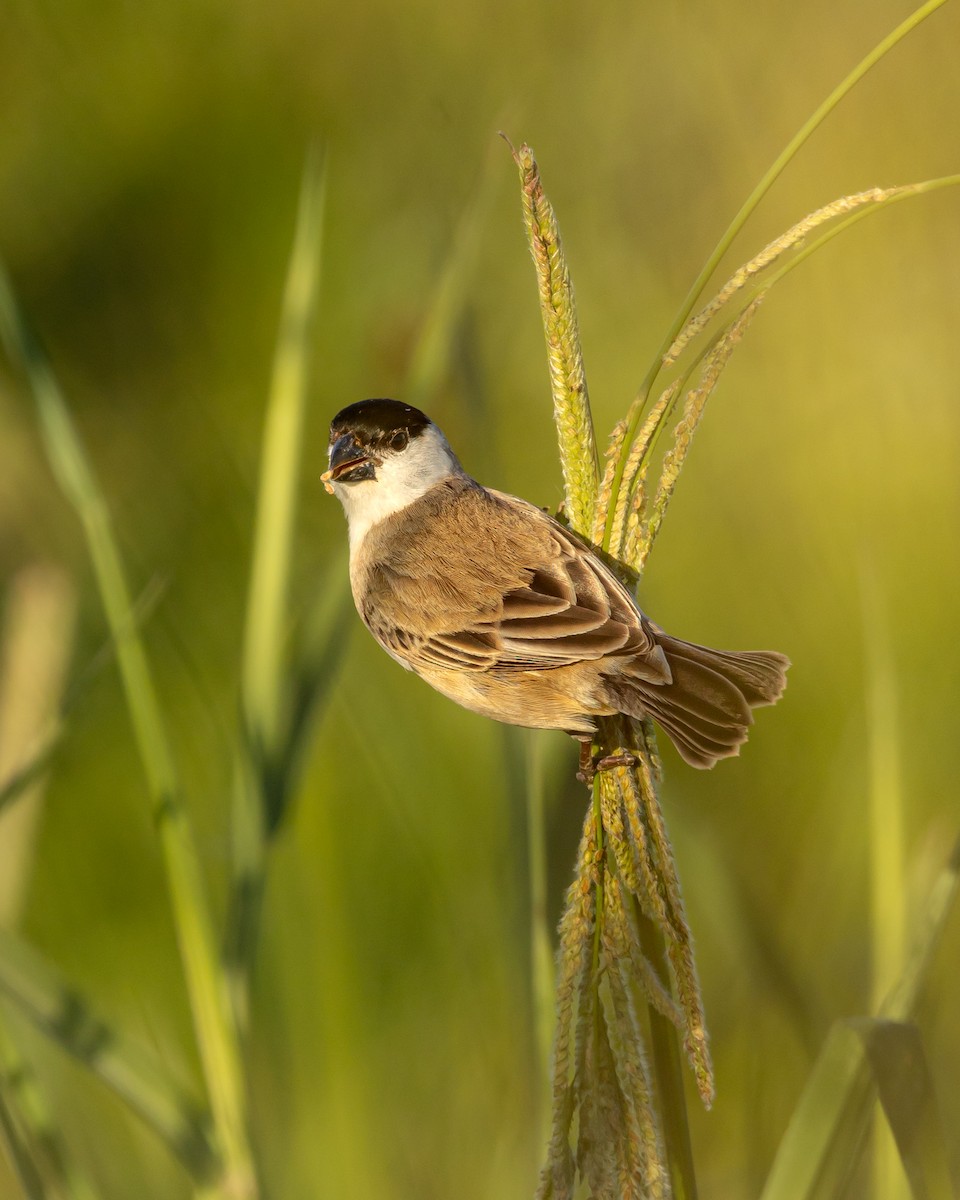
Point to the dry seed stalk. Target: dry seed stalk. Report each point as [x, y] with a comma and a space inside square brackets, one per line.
[635, 468]
[769, 255]
[605, 491]
[685, 428]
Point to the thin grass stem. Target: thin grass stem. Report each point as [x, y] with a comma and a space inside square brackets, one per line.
[668, 1074]
[776, 168]
[888, 904]
[206, 986]
[259, 790]
[543, 975]
[895, 196]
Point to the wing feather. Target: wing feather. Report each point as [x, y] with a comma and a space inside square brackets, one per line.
[514, 590]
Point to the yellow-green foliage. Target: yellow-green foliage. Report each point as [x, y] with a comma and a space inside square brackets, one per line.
[388, 1043]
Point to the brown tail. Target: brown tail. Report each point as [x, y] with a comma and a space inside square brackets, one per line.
[705, 708]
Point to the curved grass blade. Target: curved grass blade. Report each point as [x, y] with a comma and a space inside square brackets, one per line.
[776, 168]
[609, 521]
[64, 1015]
[788, 153]
[28, 1105]
[212, 1017]
[19, 1152]
[901, 1070]
[842, 1088]
[892, 196]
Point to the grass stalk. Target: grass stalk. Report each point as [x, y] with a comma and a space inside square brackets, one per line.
[841, 1090]
[668, 1074]
[776, 168]
[888, 902]
[635, 855]
[267, 618]
[213, 1020]
[260, 788]
[543, 975]
[786, 156]
[608, 525]
[34, 653]
[568, 381]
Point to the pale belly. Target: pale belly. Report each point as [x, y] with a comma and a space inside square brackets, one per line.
[551, 699]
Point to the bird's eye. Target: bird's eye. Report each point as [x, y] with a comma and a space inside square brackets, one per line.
[399, 440]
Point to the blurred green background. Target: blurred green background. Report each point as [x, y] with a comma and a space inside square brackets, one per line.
[149, 168]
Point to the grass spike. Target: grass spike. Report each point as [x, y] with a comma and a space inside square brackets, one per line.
[770, 254]
[685, 428]
[571, 404]
[776, 168]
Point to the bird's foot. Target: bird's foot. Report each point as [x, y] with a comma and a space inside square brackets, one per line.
[589, 766]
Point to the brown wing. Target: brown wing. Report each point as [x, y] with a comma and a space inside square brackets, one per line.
[511, 589]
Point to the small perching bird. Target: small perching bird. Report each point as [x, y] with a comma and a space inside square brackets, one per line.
[506, 611]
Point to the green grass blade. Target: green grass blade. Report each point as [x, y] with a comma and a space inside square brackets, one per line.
[262, 784]
[542, 973]
[901, 1071]
[668, 1070]
[67, 1017]
[835, 1098]
[888, 900]
[264, 651]
[30, 773]
[34, 653]
[19, 1152]
[323, 643]
[24, 1098]
[839, 1095]
[213, 1021]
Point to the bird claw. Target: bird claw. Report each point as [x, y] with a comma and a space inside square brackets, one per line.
[589, 766]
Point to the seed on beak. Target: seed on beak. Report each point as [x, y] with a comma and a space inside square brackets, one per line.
[349, 461]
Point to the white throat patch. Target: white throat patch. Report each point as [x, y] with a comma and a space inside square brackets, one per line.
[401, 479]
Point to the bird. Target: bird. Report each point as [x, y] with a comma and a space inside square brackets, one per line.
[508, 612]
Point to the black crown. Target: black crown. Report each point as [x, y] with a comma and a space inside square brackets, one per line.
[378, 421]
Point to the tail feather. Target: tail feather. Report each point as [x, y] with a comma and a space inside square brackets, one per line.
[705, 708]
[761, 675]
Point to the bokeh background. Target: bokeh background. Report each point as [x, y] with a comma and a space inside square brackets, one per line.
[149, 168]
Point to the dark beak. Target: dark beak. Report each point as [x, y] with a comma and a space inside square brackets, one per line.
[349, 462]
